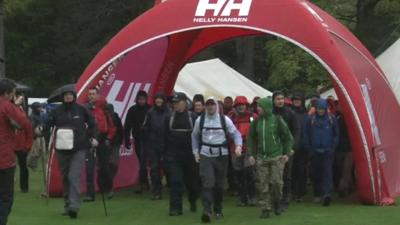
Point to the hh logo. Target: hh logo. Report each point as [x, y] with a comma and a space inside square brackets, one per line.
[129, 96]
[223, 7]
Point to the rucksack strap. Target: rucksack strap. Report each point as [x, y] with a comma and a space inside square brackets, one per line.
[171, 121]
[223, 127]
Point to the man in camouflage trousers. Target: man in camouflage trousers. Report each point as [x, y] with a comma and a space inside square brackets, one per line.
[274, 143]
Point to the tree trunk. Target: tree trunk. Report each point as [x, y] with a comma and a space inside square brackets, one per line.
[2, 47]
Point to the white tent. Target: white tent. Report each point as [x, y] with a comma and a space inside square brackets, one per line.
[389, 61]
[215, 78]
[390, 64]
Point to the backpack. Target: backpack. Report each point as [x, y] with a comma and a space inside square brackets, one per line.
[171, 121]
[223, 127]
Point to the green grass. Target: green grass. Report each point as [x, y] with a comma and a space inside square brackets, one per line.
[130, 208]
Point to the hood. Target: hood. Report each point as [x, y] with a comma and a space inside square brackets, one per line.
[240, 100]
[215, 102]
[322, 104]
[162, 96]
[266, 104]
[141, 93]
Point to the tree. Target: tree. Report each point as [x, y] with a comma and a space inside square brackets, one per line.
[50, 42]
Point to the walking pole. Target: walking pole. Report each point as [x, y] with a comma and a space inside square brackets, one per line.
[46, 170]
[101, 188]
[104, 202]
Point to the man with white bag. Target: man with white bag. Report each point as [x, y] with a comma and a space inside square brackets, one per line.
[75, 132]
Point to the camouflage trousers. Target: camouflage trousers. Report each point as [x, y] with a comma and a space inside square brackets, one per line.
[269, 181]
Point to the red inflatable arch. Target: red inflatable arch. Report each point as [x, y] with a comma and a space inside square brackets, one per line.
[150, 51]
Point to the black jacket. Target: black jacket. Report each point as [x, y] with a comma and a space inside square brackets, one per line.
[134, 121]
[344, 140]
[301, 117]
[76, 117]
[178, 134]
[290, 118]
[119, 135]
[154, 126]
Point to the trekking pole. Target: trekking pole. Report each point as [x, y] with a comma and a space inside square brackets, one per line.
[101, 187]
[46, 170]
[104, 201]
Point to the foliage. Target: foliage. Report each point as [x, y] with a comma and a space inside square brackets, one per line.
[50, 42]
[375, 22]
[292, 68]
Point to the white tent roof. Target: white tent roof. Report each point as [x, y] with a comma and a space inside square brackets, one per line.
[215, 78]
[389, 61]
[390, 64]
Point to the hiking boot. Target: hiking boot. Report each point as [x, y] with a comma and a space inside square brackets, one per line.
[242, 204]
[88, 199]
[206, 218]
[277, 208]
[264, 214]
[72, 214]
[327, 201]
[284, 204]
[252, 202]
[219, 216]
[317, 200]
[175, 213]
[156, 197]
[299, 199]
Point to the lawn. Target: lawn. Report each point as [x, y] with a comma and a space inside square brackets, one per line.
[130, 208]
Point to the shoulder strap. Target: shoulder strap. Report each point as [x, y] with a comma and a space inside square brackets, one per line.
[190, 115]
[202, 119]
[201, 124]
[331, 120]
[223, 122]
[171, 120]
[312, 120]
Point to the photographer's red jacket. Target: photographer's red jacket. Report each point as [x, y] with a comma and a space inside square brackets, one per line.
[12, 118]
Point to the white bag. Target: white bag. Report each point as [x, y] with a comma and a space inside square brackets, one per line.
[64, 139]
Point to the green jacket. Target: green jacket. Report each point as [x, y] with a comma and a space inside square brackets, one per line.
[269, 134]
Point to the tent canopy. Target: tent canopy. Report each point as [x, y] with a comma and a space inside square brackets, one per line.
[150, 51]
[206, 78]
[390, 64]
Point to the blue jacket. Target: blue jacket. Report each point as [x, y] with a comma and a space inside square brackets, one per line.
[321, 133]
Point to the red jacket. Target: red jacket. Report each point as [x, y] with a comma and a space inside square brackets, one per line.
[23, 140]
[11, 117]
[103, 119]
[242, 123]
